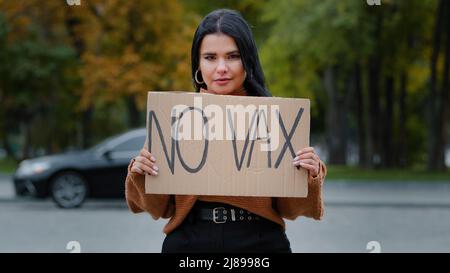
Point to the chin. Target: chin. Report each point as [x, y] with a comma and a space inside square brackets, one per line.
[223, 91]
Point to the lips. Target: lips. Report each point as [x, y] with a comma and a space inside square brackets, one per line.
[222, 81]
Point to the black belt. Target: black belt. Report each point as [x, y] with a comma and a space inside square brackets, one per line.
[223, 213]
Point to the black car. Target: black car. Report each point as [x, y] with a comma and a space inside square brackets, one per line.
[69, 178]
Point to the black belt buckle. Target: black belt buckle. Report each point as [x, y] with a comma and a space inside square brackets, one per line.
[216, 215]
[221, 215]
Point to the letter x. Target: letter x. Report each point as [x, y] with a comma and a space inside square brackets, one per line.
[288, 138]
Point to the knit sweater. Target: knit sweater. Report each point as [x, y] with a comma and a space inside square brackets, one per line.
[176, 207]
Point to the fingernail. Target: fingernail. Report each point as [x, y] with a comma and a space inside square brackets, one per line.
[155, 168]
[296, 158]
[152, 158]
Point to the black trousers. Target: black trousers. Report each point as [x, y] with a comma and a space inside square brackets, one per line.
[202, 236]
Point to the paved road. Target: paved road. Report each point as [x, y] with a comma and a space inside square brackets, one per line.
[6, 187]
[408, 217]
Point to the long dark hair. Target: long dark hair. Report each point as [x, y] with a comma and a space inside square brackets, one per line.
[234, 25]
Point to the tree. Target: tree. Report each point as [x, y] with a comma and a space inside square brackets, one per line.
[355, 59]
[139, 49]
[312, 50]
[438, 100]
[36, 80]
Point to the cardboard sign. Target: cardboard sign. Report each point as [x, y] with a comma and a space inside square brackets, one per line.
[207, 144]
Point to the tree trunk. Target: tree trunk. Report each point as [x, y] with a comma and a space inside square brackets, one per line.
[133, 113]
[83, 127]
[71, 23]
[401, 138]
[374, 113]
[360, 117]
[388, 149]
[443, 109]
[7, 146]
[86, 127]
[336, 127]
[374, 71]
[433, 145]
[26, 145]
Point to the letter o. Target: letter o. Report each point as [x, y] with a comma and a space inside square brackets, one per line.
[205, 149]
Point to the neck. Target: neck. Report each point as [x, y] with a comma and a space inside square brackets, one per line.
[238, 92]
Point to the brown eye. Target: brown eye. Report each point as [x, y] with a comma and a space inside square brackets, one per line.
[234, 56]
[209, 57]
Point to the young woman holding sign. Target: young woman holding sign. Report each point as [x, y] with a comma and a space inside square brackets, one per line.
[225, 62]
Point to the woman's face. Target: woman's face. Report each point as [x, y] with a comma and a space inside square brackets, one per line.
[221, 65]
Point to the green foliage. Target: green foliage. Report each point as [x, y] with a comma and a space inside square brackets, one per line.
[48, 82]
[7, 165]
[306, 37]
[38, 78]
[360, 174]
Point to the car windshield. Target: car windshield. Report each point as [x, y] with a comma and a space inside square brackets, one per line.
[130, 144]
[103, 143]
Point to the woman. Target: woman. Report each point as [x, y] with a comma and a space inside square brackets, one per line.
[225, 62]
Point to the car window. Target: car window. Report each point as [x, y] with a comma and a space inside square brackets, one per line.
[132, 144]
[103, 143]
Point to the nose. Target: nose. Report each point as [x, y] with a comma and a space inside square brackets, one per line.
[222, 67]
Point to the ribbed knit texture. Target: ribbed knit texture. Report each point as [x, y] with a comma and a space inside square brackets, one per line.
[177, 207]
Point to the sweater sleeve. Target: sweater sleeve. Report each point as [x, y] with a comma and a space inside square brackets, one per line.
[158, 205]
[311, 206]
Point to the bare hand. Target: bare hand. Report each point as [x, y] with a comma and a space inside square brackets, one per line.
[144, 163]
[307, 158]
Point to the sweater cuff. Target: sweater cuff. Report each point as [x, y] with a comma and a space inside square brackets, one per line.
[322, 172]
[132, 175]
[315, 189]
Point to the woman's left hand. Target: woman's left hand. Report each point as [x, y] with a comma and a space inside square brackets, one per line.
[307, 158]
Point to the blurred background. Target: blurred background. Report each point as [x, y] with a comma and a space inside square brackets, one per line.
[75, 72]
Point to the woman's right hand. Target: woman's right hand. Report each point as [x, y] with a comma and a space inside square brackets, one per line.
[144, 163]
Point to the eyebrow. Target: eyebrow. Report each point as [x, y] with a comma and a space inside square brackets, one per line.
[228, 53]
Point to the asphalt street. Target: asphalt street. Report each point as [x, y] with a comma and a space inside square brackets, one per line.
[359, 217]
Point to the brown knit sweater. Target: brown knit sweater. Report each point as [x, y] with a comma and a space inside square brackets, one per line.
[177, 207]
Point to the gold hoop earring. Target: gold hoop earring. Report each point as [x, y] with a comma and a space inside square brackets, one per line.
[196, 79]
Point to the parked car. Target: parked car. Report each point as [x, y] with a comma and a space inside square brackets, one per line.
[69, 178]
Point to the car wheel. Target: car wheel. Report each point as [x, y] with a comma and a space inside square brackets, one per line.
[69, 190]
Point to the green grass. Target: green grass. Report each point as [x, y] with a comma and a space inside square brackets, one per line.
[412, 174]
[7, 165]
